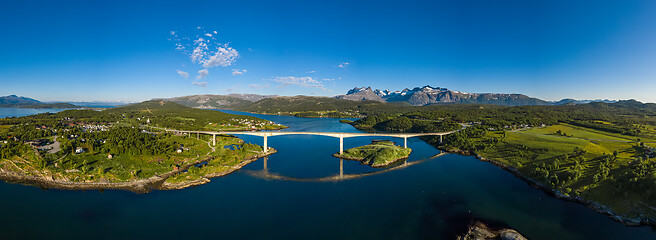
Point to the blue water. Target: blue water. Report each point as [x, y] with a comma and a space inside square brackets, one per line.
[428, 200]
[20, 112]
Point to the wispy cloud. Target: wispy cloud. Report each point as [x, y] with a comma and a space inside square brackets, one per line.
[202, 74]
[343, 65]
[200, 84]
[311, 71]
[203, 48]
[239, 72]
[183, 74]
[233, 89]
[299, 81]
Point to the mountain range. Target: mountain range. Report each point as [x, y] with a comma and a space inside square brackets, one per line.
[427, 95]
[219, 101]
[24, 102]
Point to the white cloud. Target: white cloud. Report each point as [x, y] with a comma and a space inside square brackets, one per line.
[224, 56]
[200, 84]
[311, 71]
[183, 73]
[328, 79]
[343, 65]
[238, 72]
[202, 74]
[299, 81]
[173, 33]
[205, 49]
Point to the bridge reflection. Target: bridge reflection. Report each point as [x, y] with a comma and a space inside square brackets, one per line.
[265, 174]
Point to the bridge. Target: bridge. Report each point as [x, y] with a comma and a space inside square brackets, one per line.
[264, 173]
[340, 135]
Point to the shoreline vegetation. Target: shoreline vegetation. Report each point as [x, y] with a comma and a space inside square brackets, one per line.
[378, 154]
[631, 213]
[125, 147]
[597, 207]
[157, 182]
[600, 154]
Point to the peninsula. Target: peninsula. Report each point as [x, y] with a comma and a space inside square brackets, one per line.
[125, 147]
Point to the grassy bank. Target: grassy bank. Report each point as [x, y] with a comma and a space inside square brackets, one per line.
[582, 163]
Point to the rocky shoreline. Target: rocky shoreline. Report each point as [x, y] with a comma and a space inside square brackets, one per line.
[597, 207]
[390, 163]
[480, 231]
[206, 178]
[157, 182]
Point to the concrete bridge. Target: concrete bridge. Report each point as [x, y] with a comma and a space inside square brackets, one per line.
[340, 135]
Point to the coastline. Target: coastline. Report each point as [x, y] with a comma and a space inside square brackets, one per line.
[156, 182]
[597, 207]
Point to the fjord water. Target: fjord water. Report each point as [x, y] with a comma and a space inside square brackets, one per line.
[429, 200]
[20, 112]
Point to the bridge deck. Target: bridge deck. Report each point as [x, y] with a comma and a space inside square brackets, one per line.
[329, 134]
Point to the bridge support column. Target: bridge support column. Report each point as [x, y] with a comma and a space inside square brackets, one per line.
[341, 145]
[266, 145]
[213, 139]
[405, 142]
[440, 139]
[197, 136]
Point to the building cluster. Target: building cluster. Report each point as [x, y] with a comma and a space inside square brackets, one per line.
[248, 123]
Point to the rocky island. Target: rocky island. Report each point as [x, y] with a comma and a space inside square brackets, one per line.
[377, 154]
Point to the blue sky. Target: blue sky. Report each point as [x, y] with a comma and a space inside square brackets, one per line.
[126, 51]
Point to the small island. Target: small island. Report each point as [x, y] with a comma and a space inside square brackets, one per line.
[377, 154]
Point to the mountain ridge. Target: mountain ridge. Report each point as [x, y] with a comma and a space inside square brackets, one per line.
[25, 102]
[427, 95]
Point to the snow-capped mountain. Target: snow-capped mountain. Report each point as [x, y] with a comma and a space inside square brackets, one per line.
[427, 95]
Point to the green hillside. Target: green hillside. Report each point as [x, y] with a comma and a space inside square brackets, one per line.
[305, 106]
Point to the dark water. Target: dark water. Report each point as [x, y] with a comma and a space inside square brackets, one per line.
[428, 200]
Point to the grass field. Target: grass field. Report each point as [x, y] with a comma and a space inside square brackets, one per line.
[575, 161]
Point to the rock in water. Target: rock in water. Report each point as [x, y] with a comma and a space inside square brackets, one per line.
[480, 231]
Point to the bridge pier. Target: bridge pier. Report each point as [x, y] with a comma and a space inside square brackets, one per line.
[214, 140]
[266, 145]
[440, 139]
[197, 136]
[405, 142]
[341, 145]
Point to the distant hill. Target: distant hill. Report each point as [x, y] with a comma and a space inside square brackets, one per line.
[24, 102]
[173, 112]
[569, 101]
[306, 103]
[219, 101]
[95, 104]
[427, 95]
